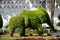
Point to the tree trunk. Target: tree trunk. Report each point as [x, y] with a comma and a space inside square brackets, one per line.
[52, 10]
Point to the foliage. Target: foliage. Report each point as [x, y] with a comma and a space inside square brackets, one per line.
[1, 21]
[1, 32]
[59, 19]
[58, 24]
[22, 31]
[33, 18]
[30, 19]
[15, 22]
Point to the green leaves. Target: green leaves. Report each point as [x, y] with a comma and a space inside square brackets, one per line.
[1, 21]
[58, 24]
[59, 19]
[28, 18]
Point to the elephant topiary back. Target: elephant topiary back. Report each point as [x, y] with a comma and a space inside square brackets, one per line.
[39, 16]
[1, 21]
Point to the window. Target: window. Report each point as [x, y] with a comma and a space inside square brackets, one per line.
[0, 6]
[16, 6]
[12, 2]
[39, 1]
[4, 2]
[35, 6]
[8, 2]
[4, 6]
[42, 3]
[23, 6]
[16, 2]
[12, 6]
[20, 2]
[8, 7]
[27, 6]
[19, 6]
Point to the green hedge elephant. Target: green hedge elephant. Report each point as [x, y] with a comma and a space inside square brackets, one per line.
[30, 19]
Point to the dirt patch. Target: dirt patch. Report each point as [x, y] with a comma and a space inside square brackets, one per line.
[32, 39]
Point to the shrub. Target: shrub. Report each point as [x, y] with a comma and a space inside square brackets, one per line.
[33, 18]
[1, 21]
[29, 19]
[14, 23]
[1, 32]
[58, 24]
[59, 19]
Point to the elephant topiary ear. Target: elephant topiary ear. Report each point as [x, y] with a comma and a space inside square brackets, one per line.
[1, 21]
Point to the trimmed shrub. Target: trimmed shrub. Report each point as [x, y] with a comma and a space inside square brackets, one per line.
[33, 18]
[30, 19]
[1, 21]
[22, 30]
[15, 22]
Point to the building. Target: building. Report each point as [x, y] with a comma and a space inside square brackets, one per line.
[9, 8]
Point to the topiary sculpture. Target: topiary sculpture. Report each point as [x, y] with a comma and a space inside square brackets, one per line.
[1, 21]
[30, 19]
[16, 22]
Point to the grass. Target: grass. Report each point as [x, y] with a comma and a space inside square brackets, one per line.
[7, 38]
[16, 36]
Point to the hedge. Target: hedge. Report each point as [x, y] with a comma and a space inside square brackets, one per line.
[1, 21]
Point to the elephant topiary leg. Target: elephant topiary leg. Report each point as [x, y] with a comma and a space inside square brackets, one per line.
[40, 30]
[22, 31]
[11, 31]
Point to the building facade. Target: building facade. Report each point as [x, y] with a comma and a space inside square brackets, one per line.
[9, 8]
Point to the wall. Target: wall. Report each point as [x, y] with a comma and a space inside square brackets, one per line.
[13, 7]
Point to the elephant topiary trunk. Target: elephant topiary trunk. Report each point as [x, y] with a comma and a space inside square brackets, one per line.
[30, 19]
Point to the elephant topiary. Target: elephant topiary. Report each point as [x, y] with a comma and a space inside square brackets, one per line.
[30, 19]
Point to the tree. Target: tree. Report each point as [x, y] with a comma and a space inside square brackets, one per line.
[52, 10]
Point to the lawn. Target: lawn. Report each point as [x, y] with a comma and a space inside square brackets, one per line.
[31, 35]
[17, 37]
